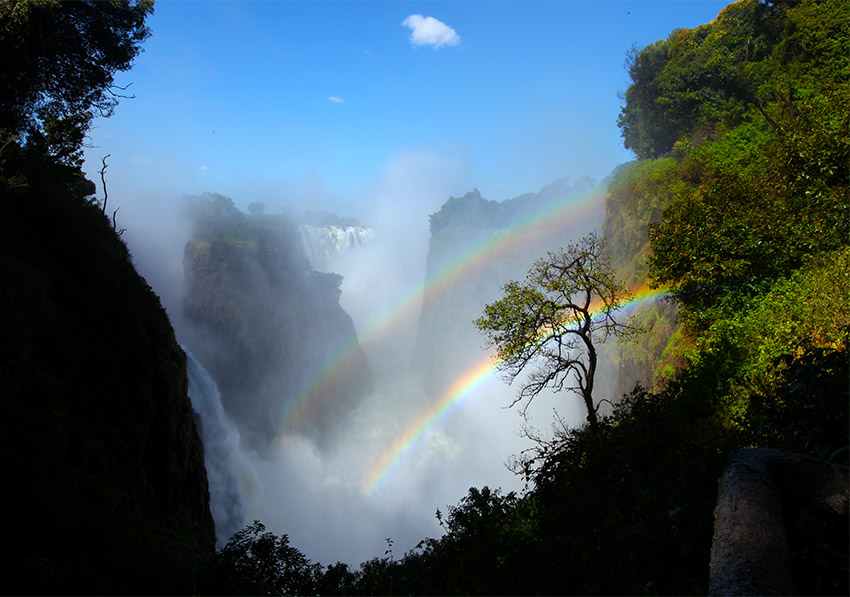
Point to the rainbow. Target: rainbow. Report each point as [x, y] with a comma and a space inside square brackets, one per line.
[453, 395]
[442, 279]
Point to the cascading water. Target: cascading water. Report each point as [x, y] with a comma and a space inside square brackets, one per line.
[221, 452]
[322, 243]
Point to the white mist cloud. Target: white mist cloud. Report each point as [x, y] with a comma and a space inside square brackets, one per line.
[428, 31]
[412, 184]
[337, 100]
[315, 494]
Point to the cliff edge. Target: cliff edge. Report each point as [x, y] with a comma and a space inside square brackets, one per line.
[103, 468]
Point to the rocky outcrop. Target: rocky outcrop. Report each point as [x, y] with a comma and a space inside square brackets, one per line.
[103, 471]
[751, 552]
[268, 328]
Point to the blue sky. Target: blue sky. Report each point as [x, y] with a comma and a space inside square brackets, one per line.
[310, 104]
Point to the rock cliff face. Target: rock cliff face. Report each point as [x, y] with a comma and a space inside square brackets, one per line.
[103, 471]
[476, 247]
[268, 328]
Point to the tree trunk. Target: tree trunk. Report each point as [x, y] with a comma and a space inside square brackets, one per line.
[750, 553]
[587, 391]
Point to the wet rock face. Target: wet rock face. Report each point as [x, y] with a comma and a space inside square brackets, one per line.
[271, 332]
[103, 467]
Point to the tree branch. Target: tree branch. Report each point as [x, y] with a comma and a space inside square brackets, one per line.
[103, 180]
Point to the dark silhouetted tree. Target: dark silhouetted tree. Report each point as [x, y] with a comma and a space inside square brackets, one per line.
[555, 319]
[57, 63]
[257, 562]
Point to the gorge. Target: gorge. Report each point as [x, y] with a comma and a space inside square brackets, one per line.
[319, 398]
[175, 370]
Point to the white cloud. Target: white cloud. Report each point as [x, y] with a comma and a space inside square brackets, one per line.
[428, 31]
[141, 160]
[205, 168]
[336, 100]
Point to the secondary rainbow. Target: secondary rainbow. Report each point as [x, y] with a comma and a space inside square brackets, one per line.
[444, 277]
[452, 396]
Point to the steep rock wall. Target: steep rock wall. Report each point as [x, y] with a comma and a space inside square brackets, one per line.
[103, 468]
[268, 328]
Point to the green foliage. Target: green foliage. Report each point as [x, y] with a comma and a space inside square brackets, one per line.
[758, 126]
[706, 79]
[809, 411]
[257, 562]
[635, 199]
[809, 310]
[489, 549]
[553, 319]
[57, 63]
[644, 132]
[627, 507]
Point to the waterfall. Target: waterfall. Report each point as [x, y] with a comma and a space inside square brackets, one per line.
[221, 452]
[322, 243]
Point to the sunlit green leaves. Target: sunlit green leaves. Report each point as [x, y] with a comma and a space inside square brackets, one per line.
[551, 320]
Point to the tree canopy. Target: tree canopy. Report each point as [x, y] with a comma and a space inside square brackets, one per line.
[755, 109]
[57, 65]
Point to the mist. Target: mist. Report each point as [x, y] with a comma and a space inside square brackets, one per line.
[317, 492]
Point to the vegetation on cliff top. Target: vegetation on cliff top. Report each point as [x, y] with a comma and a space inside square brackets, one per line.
[103, 469]
[738, 203]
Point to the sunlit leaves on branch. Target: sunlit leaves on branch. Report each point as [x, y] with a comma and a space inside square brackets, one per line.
[761, 130]
[554, 320]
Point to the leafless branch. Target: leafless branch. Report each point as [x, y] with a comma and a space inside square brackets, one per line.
[119, 95]
[103, 180]
[115, 225]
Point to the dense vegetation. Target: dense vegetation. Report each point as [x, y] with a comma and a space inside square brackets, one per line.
[104, 481]
[738, 204]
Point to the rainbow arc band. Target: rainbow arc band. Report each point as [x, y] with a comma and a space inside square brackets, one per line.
[555, 216]
[454, 394]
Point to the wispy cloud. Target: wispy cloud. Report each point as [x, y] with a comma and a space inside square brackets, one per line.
[205, 168]
[141, 160]
[428, 31]
[336, 100]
